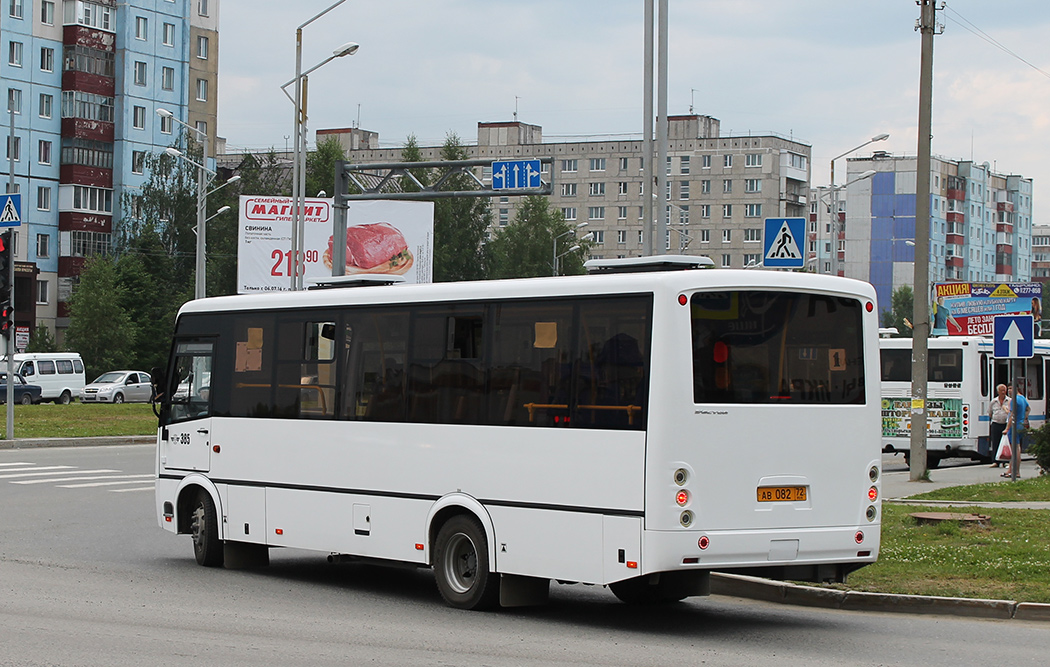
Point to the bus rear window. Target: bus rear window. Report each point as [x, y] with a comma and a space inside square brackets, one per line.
[777, 347]
[942, 365]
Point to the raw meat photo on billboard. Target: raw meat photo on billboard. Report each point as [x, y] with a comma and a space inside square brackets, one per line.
[382, 237]
[969, 309]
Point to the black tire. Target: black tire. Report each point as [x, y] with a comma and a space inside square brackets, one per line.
[64, 399]
[118, 398]
[642, 590]
[26, 399]
[461, 565]
[204, 528]
[933, 462]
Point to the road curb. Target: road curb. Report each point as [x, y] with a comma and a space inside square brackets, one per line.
[756, 588]
[34, 443]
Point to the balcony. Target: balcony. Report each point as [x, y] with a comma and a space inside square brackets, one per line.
[956, 194]
[1004, 269]
[1007, 206]
[955, 239]
[953, 262]
[82, 128]
[956, 216]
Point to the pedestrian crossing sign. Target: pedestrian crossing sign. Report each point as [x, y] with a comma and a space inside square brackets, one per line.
[783, 241]
[10, 210]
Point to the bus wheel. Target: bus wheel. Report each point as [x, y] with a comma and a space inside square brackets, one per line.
[642, 590]
[933, 462]
[461, 565]
[204, 528]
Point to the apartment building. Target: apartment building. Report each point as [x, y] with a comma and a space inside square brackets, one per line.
[84, 80]
[719, 190]
[980, 223]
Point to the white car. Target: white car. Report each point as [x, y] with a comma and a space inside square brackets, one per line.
[118, 387]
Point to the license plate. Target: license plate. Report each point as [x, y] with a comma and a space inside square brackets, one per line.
[781, 494]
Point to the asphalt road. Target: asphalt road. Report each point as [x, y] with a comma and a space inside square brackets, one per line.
[87, 578]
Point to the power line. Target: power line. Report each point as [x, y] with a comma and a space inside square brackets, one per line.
[966, 24]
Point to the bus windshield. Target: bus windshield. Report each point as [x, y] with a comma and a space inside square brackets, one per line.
[776, 347]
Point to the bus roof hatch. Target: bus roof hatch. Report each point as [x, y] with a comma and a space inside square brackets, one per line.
[652, 263]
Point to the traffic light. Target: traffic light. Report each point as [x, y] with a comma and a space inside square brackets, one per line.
[7, 319]
[5, 267]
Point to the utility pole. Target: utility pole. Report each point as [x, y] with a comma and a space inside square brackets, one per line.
[927, 26]
[647, 131]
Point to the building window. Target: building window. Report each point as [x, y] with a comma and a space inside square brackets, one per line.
[705, 187]
[90, 14]
[504, 217]
[44, 152]
[41, 291]
[14, 148]
[597, 189]
[569, 213]
[752, 259]
[568, 189]
[138, 161]
[166, 124]
[43, 198]
[727, 186]
[727, 261]
[88, 153]
[727, 210]
[668, 165]
[167, 78]
[91, 199]
[86, 59]
[43, 245]
[88, 244]
[141, 27]
[705, 161]
[88, 106]
[15, 9]
[621, 213]
[140, 73]
[202, 7]
[621, 236]
[47, 12]
[727, 161]
[138, 118]
[14, 54]
[568, 165]
[752, 235]
[684, 169]
[169, 34]
[727, 235]
[599, 236]
[623, 188]
[202, 127]
[683, 215]
[596, 213]
[705, 236]
[797, 161]
[753, 160]
[705, 210]
[623, 164]
[753, 185]
[683, 190]
[47, 59]
[752, 210]
[202, 47]
[14, 100]
[597, 164]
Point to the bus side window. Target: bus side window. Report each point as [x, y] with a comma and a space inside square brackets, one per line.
[376, 366]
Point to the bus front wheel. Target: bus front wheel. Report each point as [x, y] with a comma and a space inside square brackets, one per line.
[204, 528]
[461, 565]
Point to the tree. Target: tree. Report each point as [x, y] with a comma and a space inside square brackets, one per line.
[41, 340]
[526, 247]
[902, 306]
[99, 327]
[320, 167]
[459, 225]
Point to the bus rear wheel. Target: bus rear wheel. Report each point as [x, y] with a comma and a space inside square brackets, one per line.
[461, 565]
[204, 528]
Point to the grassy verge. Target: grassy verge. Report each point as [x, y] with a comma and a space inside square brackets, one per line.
[78, 420]
[1036, 489]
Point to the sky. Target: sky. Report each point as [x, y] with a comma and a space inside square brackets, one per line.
[828, 73]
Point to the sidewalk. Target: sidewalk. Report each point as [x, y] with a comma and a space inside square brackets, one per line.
[31, 443]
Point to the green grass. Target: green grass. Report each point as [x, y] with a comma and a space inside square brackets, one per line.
[1036, 489]
[1009, 559]
[78, 420]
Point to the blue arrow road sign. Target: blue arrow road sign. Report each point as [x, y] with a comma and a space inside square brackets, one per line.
[10, 210]
[783, 243]
[515, 174]
[1013, 336]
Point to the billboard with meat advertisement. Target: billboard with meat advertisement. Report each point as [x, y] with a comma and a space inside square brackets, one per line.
[382, 237]
[969, 309]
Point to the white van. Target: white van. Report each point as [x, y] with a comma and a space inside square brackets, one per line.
[60, 375]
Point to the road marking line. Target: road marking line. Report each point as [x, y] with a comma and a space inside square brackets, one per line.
[78, 479]
[144, 488]
[59, 470]
[84, 486]
[26, 463]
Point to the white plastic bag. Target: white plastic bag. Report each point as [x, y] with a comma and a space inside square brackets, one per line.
[1004, 453]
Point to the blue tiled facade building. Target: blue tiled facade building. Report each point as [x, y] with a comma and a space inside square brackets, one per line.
[84, 80]
[980, 223]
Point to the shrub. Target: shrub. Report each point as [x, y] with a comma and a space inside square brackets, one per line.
[1039, 446]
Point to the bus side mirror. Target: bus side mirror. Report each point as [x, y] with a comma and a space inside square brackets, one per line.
[157, 383]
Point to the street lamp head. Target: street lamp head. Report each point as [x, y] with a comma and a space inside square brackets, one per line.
[880, 137]
[581, 225]
[233, 179]
[164, 113]
[348, 49]
[573, 249]
[172, 151]
[222, 210]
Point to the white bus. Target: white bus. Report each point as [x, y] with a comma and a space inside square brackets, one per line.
[637, 430]
[961, 379]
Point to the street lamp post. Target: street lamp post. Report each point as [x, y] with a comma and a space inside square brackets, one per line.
[837, 225]
[554, 253]
[833, 212]
[299, 146]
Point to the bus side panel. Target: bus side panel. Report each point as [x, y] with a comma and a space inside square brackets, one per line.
[245, 513]
[548, 543]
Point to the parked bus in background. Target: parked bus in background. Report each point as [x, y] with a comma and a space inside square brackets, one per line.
[639, 428]
[961, 380]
